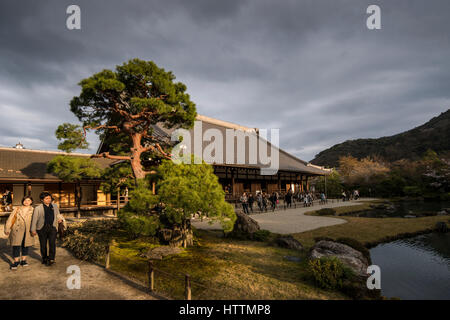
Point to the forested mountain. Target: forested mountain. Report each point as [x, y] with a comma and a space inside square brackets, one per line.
[411, 144]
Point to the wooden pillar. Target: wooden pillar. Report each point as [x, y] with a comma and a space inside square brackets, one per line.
[307, 184]
[301, 183]
[29, 189]
[232, 182]
[59, 194]
[279, 182]
[151, 277]
[108, 256]
[187, 291]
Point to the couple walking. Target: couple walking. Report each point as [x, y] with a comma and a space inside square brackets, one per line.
[24, 223]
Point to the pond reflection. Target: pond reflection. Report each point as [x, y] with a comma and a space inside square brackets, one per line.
[415, 268]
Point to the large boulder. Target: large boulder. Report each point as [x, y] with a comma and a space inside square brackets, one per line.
[245, 224]
[350, 257]
[288, 242]
[244, 227]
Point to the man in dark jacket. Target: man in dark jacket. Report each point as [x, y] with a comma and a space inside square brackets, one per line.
[44, 223]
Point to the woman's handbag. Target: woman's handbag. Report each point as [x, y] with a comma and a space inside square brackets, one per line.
[61, 229]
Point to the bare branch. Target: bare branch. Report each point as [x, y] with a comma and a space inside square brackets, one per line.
[109, 156]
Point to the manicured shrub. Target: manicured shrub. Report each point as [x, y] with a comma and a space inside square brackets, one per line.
[85, 246]
[140, 226]
[138, 217]
[89, 240]
[326, 212]
[412, 191]
[329, 272]
[261, 235]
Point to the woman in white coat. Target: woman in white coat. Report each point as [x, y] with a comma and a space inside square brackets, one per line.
[18, 228]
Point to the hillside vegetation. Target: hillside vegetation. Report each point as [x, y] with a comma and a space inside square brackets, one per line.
[411, 144]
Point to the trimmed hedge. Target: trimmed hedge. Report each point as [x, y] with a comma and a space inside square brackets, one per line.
[329, 272]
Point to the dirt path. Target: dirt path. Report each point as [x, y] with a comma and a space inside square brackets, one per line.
[41, 282]
[290, 220]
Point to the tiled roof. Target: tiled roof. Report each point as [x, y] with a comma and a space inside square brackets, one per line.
[32, 164]
[287, 162]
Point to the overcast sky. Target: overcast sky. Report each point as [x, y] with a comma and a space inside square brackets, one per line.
[310, 68]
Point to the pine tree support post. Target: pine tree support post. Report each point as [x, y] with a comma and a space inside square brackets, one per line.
[150, 276]
[187, 291]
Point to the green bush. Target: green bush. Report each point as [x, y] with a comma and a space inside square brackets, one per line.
[326, 212]
[412, 191]
[85, 246]
[261, 235]
[445, 196]
[329, 272]
[139, 225]
[137, 217]
[355, 244]
[89, 240]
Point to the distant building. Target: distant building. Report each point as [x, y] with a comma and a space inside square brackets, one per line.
[24, 172]
[293, 172]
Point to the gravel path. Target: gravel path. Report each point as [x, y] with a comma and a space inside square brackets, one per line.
[41, 282]
[290, 220]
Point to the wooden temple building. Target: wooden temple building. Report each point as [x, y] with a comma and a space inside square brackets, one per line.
[293, 173]
[24, 172]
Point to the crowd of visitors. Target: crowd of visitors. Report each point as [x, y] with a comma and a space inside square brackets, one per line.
[347, 196]
[271, 201]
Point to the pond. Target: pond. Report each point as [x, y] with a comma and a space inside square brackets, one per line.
[415, 268]
[407, 209]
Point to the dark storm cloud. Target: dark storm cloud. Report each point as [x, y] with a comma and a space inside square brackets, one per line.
[310, 68]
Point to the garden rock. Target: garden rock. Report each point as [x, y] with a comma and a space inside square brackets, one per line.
[441, 226]
[245, 224]
[289, 242]
[159, 253]
[349, 256]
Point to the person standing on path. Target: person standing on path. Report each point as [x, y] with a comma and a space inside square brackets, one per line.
[18, 229]
[45, 221]
[244, 201]
[250, 201]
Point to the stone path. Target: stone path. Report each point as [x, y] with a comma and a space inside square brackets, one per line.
[41, 282]
[290, 220]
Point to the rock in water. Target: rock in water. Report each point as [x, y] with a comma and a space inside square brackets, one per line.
[289, 242]
[349, 256]
[441, 227]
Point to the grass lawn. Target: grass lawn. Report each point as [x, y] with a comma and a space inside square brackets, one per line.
[349, 209]
[370, 231]
[223, 268]
[230, 269]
